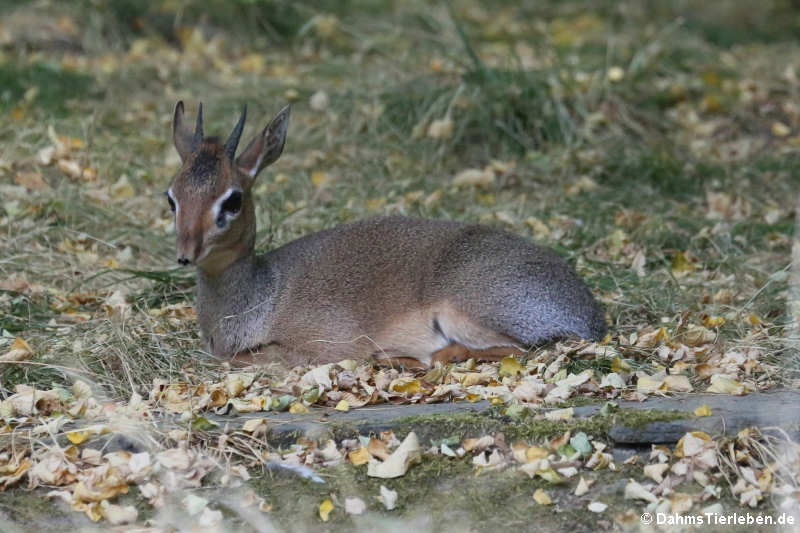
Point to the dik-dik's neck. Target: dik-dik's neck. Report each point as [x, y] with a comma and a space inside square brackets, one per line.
[221, 281]
[234, 306]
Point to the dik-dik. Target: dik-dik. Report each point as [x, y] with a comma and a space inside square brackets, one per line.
[400, 290]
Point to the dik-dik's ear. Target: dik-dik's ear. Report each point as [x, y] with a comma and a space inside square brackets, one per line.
[186, 141]
[266, 147]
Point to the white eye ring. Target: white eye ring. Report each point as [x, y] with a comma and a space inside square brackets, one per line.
[217, 207]
[174, 201]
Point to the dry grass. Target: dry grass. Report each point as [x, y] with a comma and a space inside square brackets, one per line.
[626, 131]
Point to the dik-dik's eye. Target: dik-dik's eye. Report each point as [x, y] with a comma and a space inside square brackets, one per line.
[171, 202]
[229, 208]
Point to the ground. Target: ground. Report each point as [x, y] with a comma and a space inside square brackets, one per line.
[652, 144]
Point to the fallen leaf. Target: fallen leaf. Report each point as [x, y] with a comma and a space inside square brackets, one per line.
[656, 471]
[298, 408]
[320, 178]
[359, 456]
[343, 406]
[612, 380]
[649, 383]
[31, 180]
[634, 491]
[388, 498]
[541, 497]
[698, 335]
[679, 383]
[583, 486]
[398, 463]
[597, 507]
[407, 386]
[703, 410]
[779, 129]
[581, 443]
[355, 506]
[616, 74]
[20, 351]
[319, 101]
[724, 385]
[441, 129]
[560, 414]
[256, 426]
[681, 265]
[510, 367]
[209, 518]
[325, 509]
[693, 443]
[70, 168]
[118, 514]
[473, 177]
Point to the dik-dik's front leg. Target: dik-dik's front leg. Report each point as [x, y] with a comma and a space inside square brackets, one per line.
[455, 353]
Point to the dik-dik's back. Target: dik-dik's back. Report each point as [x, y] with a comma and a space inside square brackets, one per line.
[397, 289]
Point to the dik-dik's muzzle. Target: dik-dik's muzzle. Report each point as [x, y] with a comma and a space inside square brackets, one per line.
[189, 250]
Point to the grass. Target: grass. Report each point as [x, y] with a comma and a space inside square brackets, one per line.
[654, 105]
[535, 92]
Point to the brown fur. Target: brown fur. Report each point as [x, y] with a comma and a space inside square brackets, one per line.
[400, 290]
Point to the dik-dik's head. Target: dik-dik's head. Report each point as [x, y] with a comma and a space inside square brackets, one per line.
[210, 194]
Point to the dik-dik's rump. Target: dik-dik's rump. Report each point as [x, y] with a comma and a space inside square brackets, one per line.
[396, 289]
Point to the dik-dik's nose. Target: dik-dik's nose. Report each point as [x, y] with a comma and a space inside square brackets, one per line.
[183, 261]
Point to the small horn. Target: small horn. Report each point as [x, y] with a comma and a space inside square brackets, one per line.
[233, 140]
[197, 140]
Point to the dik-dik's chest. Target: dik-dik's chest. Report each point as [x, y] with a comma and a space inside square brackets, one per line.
[233, 325]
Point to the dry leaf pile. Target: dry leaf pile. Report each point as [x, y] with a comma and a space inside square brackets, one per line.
[190, 455]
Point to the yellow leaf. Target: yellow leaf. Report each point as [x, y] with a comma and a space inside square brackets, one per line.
[541, 497]
[652, 338]
[122, 189]
[713, 321]
[92, 510]
[320, 178]
[681, 264]
[253, 63]
[20, 350]
[695, 434]
[104, 489]
[679, 383]
[473, 177]
[725, 385]
[475, 378]
[298, 408]
[509, 366]
[549, 475]
[441, 129]
[406, 386]
[325, 509]
[255, 425]
[471, 397]
[703, 410]
[535, 452]
[619, 365]
[359, 457]
[649, 383]
[779, 129]
[343, 405]
[698, 335]
[616, 74]
[78, 437]
[373, 204]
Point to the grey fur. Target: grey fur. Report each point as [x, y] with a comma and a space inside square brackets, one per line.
[335, 294]
[382, 287]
